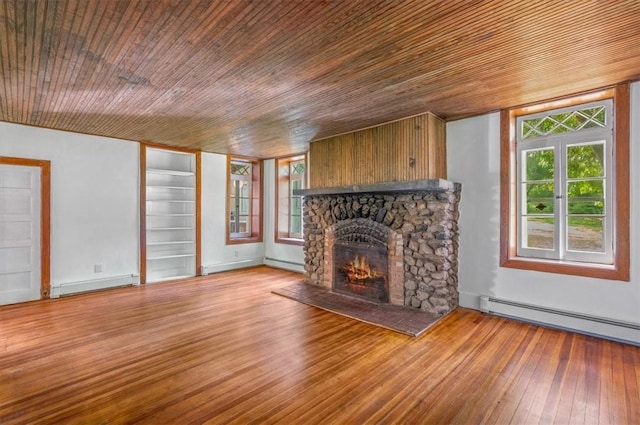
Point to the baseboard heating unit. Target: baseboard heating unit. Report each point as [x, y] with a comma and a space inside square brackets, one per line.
[69, 288]
[284, 264]
[216, 268]
[617, 330]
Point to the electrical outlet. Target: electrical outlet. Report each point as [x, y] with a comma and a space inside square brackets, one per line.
[97, 268]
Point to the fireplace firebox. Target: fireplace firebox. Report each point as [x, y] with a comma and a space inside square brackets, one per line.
[361, 270]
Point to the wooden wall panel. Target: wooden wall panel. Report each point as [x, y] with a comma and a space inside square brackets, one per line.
[410, 149]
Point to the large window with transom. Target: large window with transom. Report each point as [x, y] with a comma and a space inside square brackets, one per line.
[564, 189]
[244, 200]
[291, 175]
[565, 202]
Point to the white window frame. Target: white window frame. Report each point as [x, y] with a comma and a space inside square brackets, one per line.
[560, 143]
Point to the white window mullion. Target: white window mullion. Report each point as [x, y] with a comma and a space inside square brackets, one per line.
[609, 195]
[561, 204]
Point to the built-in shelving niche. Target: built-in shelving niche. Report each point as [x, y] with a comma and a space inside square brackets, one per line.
[170, 215]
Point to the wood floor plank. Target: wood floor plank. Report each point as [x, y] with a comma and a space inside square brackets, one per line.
[631, 387]
[506, 395]
[585, 406]
[224, 349]
[607, 390]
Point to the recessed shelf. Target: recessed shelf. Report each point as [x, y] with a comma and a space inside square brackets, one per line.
[170, 215]
[172, 201]
[170, 194]
[170, 172]
[170, 228]
[156, 186]
[169, 243]
[164, 279]
[165, 257]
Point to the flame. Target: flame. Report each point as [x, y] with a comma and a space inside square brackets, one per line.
[359, 269]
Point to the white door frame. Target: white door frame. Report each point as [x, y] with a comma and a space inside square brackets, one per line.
[45, 217]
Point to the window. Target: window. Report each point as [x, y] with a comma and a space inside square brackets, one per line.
[565, 200]
[244, 200]
[564, 193]
[290, 176]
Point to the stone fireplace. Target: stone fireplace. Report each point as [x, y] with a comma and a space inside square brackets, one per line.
[391, 243]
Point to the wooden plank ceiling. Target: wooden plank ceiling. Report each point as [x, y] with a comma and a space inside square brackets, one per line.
[264, 78]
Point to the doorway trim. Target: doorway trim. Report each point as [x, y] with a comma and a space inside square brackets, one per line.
[45, 217]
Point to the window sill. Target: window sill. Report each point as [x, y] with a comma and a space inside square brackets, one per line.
[241, 240]
[290, 241]
[599, 271]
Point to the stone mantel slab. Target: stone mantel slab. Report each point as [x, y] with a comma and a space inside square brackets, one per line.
[432, 185]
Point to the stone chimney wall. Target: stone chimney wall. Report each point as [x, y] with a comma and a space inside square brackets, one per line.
[427, 221]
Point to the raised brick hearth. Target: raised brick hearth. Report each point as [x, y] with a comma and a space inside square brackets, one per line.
[416, 222]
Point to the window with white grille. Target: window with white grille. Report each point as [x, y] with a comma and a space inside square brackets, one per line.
[291, 175]
[564, 187]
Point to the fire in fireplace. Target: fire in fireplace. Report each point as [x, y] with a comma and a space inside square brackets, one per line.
[361, 270]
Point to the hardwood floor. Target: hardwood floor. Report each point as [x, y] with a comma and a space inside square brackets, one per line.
[223, 349]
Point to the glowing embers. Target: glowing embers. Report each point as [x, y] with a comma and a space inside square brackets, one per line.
[360, 269]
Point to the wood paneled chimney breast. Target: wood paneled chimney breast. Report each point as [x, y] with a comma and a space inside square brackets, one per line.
[410, 149]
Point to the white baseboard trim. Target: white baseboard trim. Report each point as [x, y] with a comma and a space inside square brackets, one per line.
[469, 300]
[603, 327]
[68, 288]
[284, 264]
[215, 268]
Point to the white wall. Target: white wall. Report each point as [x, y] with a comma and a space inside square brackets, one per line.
[473, 149]
[216, 254]
[95, 206]
[286, 256]
[94, 199]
